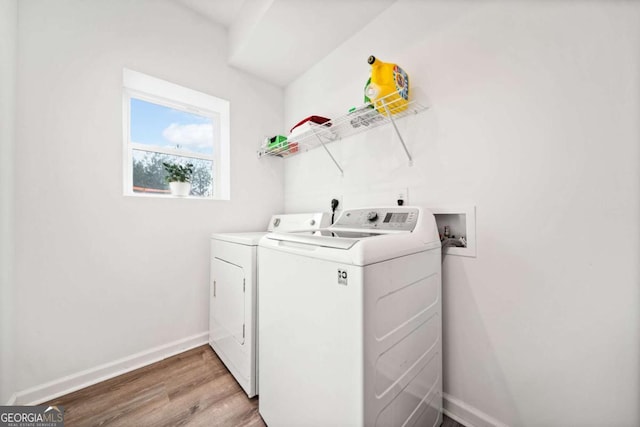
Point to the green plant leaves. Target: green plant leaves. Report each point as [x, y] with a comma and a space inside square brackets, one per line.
[177, 172]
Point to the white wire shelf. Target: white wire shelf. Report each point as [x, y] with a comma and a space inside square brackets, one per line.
[368, 116]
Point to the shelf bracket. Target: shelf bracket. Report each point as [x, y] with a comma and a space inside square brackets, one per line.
[328, 152]
[393, 122]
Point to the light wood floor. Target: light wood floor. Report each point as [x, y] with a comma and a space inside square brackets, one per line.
[191, 389]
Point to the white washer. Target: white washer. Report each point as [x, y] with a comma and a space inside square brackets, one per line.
[232, 307]
[350, 322]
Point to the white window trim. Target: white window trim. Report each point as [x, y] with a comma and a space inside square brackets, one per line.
[142, 86]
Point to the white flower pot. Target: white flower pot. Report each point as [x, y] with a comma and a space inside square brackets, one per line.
[180, 189]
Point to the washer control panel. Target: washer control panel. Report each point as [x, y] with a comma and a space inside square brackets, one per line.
[403, 219]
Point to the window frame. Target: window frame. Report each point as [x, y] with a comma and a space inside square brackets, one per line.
[150, 89]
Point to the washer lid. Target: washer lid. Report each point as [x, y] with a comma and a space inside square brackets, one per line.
[249, 239]
[326, 238]
[363, 236]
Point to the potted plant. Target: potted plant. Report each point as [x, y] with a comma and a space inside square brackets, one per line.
[179, 178]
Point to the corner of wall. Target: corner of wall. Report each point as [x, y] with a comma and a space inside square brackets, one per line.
[8, 64]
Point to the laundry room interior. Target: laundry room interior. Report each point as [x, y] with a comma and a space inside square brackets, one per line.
[505, 184]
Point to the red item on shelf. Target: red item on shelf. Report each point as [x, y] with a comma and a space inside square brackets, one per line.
[313, 119]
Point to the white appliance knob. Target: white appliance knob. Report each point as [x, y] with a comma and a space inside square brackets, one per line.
[312, 222]
[276, 222]
[372, 216]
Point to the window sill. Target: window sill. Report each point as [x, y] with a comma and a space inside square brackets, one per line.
[169, 197]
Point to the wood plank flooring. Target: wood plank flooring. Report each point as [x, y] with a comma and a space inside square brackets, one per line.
[190, 389]
[448, 422]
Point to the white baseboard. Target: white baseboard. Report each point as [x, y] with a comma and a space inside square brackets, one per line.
[466, 414]
[70, 383]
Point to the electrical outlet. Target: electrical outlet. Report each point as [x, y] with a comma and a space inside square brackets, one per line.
[402, 194]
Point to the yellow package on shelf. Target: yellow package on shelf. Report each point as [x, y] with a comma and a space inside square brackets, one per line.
[389, 86]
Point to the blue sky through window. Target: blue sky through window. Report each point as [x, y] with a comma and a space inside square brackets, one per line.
[157, 125]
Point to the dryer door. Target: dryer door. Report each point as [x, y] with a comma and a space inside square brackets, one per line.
[229, 299]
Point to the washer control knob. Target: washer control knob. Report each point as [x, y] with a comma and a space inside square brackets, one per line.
[312, 222]
[276, 222]
[372, 216]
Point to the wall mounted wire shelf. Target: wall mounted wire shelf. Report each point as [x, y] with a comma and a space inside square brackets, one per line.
[368, 116]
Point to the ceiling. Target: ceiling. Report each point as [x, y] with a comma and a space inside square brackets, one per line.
[278, 40]
[221, 12]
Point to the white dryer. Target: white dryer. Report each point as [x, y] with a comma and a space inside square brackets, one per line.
[233, 284]
[350, 322]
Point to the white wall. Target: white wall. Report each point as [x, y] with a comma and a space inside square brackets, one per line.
[101, 276]
[534, 120]
[8, 57]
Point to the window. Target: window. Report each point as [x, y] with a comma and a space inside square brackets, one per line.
[164, 122]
